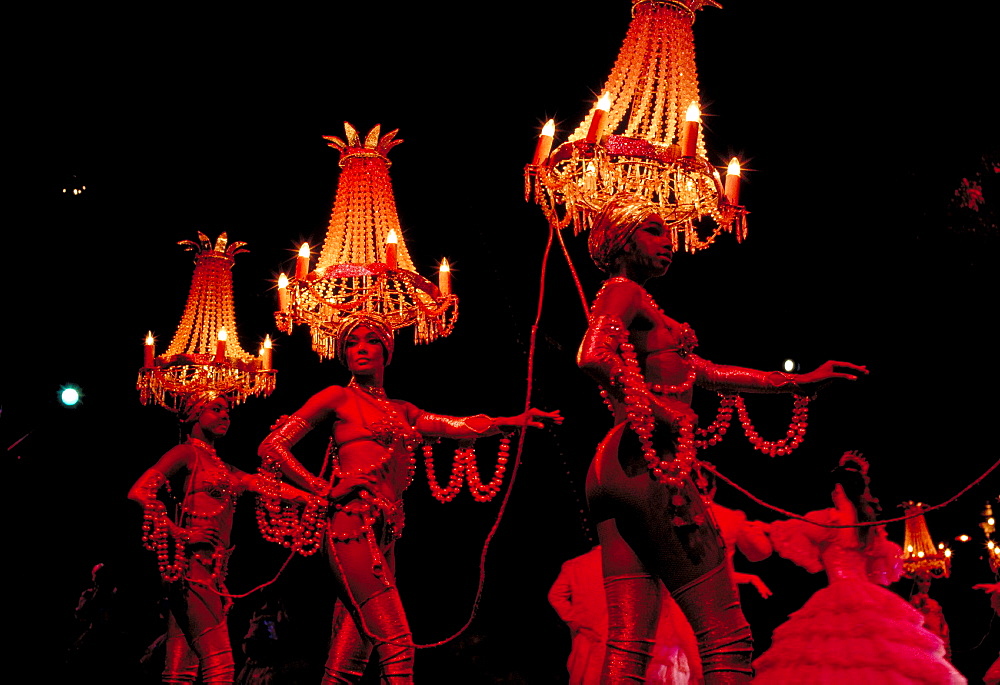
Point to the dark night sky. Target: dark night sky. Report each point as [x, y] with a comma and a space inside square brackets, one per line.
[858, 125]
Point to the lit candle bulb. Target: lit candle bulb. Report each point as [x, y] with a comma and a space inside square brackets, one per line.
[283, 293]
[391, 245]
[689, 140]
[302, 261]
[265, 354]
[444, 277]
[220, 347]
[733, 182]
[148, 351]
[596, 130]
[544, 146]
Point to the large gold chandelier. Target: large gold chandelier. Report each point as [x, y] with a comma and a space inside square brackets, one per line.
[364, 266]
[643, 137]
[205, 353]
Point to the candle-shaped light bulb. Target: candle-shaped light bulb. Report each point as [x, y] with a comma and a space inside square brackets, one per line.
[689, 139]
[544, 146]
[302, 261]
[596, 130]
[444, 277]
[220, 347]
[733, 182]
[265, 354]
[391, 245]
[283, 293]
[148, 351]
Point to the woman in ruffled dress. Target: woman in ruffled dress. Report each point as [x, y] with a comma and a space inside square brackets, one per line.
[375, 439]
[854, 630]
[652, 521]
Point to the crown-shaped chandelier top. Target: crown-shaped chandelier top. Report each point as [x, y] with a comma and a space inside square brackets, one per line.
[364, 210]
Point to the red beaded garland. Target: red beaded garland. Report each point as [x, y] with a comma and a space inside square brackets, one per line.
[464, 467]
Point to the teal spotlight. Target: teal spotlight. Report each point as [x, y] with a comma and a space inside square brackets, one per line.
[69, 395]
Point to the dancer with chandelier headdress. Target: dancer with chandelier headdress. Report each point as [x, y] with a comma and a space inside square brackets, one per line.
[853, 630]
[375, 439]
[193, 551]
[652, 521]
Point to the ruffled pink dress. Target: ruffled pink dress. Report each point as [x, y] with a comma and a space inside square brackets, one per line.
[853, 631]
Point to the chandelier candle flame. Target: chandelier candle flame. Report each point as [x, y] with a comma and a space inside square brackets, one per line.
[205, 354]
[364, 266]
[643, 137]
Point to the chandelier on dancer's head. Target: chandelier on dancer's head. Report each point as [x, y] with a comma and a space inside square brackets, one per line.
[643, 137]
[205, 354]
[364, 267]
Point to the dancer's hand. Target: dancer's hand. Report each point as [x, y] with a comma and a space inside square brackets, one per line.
[201, 536]
[751, 579]
[349, 484]
[533, 418]
[829, 371]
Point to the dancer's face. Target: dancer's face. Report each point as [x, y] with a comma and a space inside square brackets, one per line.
[214, 418]
[364, 352]
[651, 248]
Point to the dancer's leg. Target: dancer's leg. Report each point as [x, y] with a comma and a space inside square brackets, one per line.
[365, 572]
[181, 664]
[725, 645]
[349, 651]
[201, 617]
[633, 599]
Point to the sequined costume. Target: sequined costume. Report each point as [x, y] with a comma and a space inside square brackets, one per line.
[649, 530]
[375, 439]
[197, 635]
[853, 630]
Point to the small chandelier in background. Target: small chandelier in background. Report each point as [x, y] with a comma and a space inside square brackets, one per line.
[643, 137]
[920, 556]
[364, 266]
[989, 526]
[205, 353]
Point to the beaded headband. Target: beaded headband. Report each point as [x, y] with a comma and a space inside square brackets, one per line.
[853, 461]
[376, 323]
